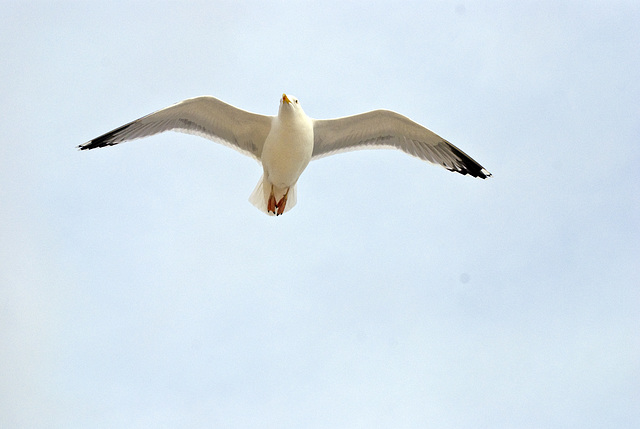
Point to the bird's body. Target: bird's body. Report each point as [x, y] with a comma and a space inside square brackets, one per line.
[286, 153]
[286, 143]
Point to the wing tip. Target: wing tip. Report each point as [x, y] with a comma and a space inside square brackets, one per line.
[483, 174]
[479, 173]
[108, 139]
[93, 144]
[468, 165]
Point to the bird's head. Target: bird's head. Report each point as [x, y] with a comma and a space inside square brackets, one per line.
[289, 104]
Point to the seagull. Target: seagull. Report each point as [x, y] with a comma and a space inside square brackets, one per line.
[286, 143]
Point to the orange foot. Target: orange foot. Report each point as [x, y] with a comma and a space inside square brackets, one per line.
[271, 204]
[282, 203]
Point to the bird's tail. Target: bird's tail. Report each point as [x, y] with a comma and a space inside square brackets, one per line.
[260, 196]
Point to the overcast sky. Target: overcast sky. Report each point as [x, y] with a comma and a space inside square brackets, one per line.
[140, 289]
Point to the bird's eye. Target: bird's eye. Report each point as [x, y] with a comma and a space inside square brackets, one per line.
[296, 101]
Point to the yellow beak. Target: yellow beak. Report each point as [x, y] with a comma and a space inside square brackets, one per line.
[285, 99]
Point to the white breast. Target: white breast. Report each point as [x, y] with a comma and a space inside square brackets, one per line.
[287, 149]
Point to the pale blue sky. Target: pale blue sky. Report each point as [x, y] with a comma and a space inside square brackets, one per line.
[139, 288]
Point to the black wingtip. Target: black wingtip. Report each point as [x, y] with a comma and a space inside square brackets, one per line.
[469, 166]
[95, 143]
[107, 139]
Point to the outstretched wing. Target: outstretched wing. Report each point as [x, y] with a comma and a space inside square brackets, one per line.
[386, 129]
[204, 116]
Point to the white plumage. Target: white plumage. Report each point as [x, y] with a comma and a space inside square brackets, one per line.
[284, 144]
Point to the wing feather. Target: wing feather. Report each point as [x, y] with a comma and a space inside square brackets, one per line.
[204, 116]
[387, 129]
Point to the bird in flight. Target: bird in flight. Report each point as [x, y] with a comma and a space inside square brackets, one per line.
[284, 144]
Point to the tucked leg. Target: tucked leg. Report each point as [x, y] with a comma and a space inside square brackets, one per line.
[271, 204]
[282, 203]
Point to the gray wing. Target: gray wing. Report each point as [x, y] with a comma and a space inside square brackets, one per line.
[204, 116]
[386, 129]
